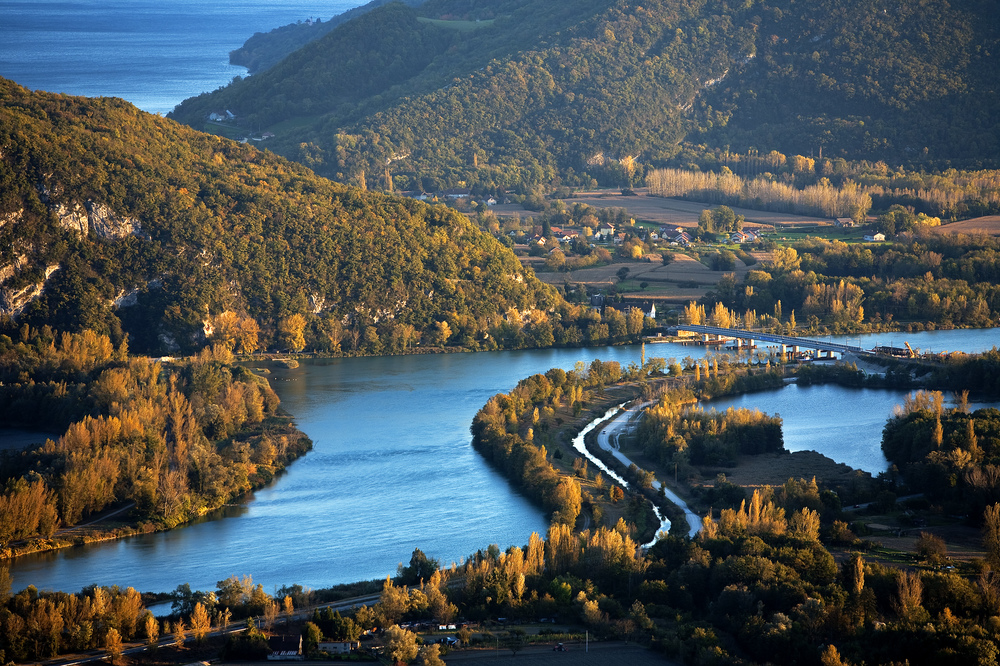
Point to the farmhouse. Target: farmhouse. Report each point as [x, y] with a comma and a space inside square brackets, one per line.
[284, 648]
[338, 647]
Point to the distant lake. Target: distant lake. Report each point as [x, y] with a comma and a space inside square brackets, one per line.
[154, 54]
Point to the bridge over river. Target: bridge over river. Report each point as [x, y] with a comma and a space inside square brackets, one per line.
[821, 346]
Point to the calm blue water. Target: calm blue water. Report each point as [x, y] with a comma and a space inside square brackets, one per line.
[150, 52]
[393, 469]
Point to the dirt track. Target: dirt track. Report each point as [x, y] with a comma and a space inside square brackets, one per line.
[612, 653]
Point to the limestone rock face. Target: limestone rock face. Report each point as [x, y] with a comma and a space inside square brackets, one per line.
[12, 217]
[108, 225]
[92, 215]
[72, 219]
[13, 301]
[8, 271]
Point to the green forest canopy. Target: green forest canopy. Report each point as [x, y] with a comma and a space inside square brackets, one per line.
[560, 92]
[135, 224]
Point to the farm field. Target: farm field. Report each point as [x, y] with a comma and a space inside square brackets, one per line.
[683, 280]
[989, 225]
[660, 210]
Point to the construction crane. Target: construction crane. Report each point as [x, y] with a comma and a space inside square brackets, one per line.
[909, 349]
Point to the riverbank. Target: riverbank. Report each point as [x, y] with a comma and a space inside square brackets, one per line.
[551, 421]
[685, 498]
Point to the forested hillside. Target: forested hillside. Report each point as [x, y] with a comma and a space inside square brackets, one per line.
[899, 81]
[264, 50]
[517, 93]
[121, 222]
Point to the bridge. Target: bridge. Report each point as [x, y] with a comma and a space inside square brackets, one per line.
[783, 340]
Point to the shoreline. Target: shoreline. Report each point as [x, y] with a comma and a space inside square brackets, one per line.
[91, 533]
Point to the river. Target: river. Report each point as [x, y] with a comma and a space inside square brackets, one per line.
[393, 469]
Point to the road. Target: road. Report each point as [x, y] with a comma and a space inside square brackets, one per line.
[236, 627]
[607, 439]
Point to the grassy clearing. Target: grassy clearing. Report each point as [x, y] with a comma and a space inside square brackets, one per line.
[461, 26]
[852, 235]
[293, 124]
[224, 130]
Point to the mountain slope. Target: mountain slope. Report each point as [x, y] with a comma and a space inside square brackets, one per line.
[544, 92]
[872, 79]
[119, 221]
[265, 50]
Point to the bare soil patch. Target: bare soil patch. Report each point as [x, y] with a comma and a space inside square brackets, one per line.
[773, 469]
[989, 225]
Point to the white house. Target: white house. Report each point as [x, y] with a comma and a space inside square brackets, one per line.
[338, 647]
[875, 238]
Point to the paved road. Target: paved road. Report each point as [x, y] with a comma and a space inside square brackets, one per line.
[236, 627]
[607, 439]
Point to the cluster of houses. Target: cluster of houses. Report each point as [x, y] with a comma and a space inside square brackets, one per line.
[224, 116]
[558, 234]
[680, 236]
[849, 223]
[228, 116]
[607, 233]
[453, 194]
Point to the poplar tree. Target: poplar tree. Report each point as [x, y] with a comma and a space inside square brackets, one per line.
[200, 622]
[113, 645]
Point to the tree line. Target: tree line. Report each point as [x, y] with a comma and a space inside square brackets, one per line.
[817, 285]
[173, 440]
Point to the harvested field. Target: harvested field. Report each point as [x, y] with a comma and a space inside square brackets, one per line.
[989, 225]
[683, 269]
[681, 281]
[773, 469]
[666, 211]
[964, 543]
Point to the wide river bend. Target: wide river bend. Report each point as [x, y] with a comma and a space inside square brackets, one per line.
[393, 469]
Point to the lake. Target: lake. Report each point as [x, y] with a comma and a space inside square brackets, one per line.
[154, 54]
[393, 469]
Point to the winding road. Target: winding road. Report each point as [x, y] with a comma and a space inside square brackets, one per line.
[607, 439]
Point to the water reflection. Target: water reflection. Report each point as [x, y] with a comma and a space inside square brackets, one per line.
[392, 470]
